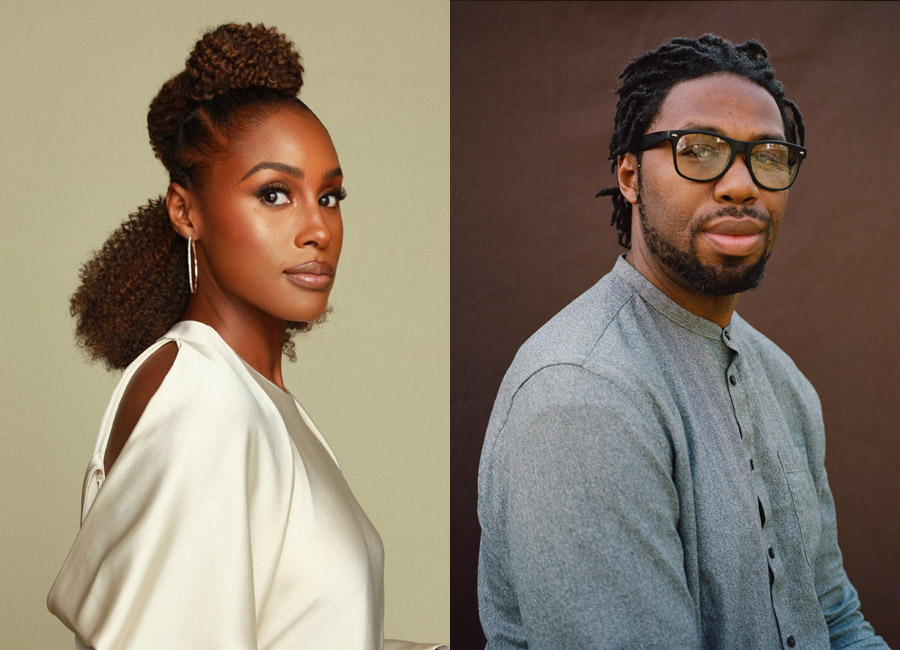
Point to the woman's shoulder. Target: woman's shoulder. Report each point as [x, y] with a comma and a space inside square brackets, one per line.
[206, 372]
[205, 461]
[190, 392]
[142, 385]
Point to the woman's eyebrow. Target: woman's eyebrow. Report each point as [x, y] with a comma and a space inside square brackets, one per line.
[277, 166]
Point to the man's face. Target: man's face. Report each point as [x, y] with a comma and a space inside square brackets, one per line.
[712, 237]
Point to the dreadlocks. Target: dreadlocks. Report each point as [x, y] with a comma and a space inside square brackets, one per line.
[648, 78]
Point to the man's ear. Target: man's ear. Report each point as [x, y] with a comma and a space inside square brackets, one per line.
[627, 174]
[180, 203]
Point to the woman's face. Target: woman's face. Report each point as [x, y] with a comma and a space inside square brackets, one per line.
[269, 228]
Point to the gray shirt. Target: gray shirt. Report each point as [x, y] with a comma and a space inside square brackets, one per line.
[650, 480]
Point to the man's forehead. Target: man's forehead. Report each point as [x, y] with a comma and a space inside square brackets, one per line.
[722, 102]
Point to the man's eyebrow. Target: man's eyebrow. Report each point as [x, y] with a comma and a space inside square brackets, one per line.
[277, 166]
[714, 129]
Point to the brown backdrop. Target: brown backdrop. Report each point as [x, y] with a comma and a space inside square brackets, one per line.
[532, 107]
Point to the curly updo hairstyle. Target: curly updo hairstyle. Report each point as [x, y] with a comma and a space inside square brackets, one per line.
[136, 286]
[648, 78]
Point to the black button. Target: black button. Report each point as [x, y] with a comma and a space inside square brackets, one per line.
[732, 379]
[791, 642]
[727, 335]
[751, 465]
[771, 552]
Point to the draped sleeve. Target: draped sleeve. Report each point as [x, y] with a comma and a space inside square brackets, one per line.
[179, 546]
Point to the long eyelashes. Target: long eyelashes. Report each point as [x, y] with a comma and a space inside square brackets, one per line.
[273, 194]
[269, 194]
[331, 199]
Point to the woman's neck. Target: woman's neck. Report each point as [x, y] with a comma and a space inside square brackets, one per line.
[256, 337]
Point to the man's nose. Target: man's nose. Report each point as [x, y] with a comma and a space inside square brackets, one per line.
[737, 185]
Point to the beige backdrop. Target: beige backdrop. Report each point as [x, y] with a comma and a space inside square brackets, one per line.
[77, 78]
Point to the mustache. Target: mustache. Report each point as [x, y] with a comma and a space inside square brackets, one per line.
[738, 213]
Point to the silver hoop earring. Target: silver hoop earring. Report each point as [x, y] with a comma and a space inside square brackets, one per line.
[192, 264]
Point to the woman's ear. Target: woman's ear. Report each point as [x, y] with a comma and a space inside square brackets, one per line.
[180, 205]
[627, 174]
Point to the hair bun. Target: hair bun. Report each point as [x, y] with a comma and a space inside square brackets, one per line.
[242, 56]
[227, 58]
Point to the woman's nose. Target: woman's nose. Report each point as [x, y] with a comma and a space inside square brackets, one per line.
[314, 229]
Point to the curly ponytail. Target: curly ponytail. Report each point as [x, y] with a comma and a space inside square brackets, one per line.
[135, 287]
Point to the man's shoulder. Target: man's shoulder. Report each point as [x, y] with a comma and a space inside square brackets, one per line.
[573, 333]
[564, 345]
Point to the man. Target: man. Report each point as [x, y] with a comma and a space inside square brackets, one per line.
[653, 471]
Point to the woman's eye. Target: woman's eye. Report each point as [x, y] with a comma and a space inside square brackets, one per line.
[272, 196]
[332, 199]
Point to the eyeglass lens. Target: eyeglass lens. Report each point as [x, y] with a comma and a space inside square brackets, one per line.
[702, 157]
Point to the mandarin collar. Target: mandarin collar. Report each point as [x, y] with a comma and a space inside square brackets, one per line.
[668, 307]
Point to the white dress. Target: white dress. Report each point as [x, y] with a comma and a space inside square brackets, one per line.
[225, 523]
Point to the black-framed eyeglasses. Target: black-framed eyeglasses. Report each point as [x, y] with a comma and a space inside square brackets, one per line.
[705, 156]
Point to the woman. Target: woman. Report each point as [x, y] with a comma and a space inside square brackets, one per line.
[214, 513]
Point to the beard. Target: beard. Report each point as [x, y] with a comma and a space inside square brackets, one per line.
[733, 275]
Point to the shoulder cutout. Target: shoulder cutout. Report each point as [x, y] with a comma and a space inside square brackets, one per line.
[142, 387]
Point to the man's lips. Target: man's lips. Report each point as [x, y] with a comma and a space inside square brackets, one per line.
[314, 275]
[729, 226]
[734, 237]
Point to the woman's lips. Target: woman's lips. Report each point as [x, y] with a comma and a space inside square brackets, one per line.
[316, 276]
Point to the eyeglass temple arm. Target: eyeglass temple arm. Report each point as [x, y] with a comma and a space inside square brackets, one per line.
[653, 139]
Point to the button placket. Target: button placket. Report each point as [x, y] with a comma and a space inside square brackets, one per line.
[737, 399]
